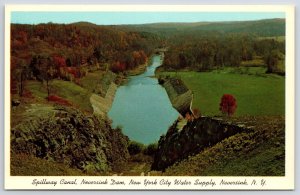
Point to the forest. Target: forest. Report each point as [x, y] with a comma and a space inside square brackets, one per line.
[208, 52]
[69, 51]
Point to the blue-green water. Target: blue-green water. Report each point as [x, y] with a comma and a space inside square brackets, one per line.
[142, 107]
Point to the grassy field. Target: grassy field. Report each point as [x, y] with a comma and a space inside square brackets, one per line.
[256, 93]
[75, 94]
[90, 81]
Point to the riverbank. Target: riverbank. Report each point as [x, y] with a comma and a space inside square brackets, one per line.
[102, 104]
[140, 69]
[180, 96]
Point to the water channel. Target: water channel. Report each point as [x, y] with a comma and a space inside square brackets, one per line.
[142, 107]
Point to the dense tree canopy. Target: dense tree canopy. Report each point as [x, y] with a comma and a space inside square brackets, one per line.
[210, 51]
[73, 49]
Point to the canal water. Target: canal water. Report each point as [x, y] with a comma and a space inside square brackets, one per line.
[142, 107]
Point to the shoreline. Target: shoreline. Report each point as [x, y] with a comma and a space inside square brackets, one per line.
[140, 69]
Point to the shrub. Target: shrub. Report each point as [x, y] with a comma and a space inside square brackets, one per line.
[228, 104]
[196, 113]
[135, 147]
[151, 149]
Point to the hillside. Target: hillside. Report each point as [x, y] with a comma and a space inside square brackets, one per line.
[263, 28]
[260, 152]
[72, 50]
[66, 133]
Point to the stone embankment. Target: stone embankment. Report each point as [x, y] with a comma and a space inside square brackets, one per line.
[104, 93]
[101, 105]
[180, 96]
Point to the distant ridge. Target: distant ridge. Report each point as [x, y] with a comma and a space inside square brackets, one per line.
[83, 23]
[265, 27]
[194, 24]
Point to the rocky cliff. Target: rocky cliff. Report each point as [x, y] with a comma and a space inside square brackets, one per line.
[194, 137]
[69, 136]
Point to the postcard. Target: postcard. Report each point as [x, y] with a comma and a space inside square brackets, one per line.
[149, 97]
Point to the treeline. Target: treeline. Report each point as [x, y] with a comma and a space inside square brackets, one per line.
[214, 50]
[68, 51]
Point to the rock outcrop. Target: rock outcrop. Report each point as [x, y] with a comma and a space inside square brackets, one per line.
[68, 136]
[194, 137]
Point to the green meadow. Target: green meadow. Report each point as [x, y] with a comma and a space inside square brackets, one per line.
[256, 93]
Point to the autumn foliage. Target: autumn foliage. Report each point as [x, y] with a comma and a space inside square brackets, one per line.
[228, 104]
[59, 61]
[118, 67]
[59, 100]
[53, 51]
